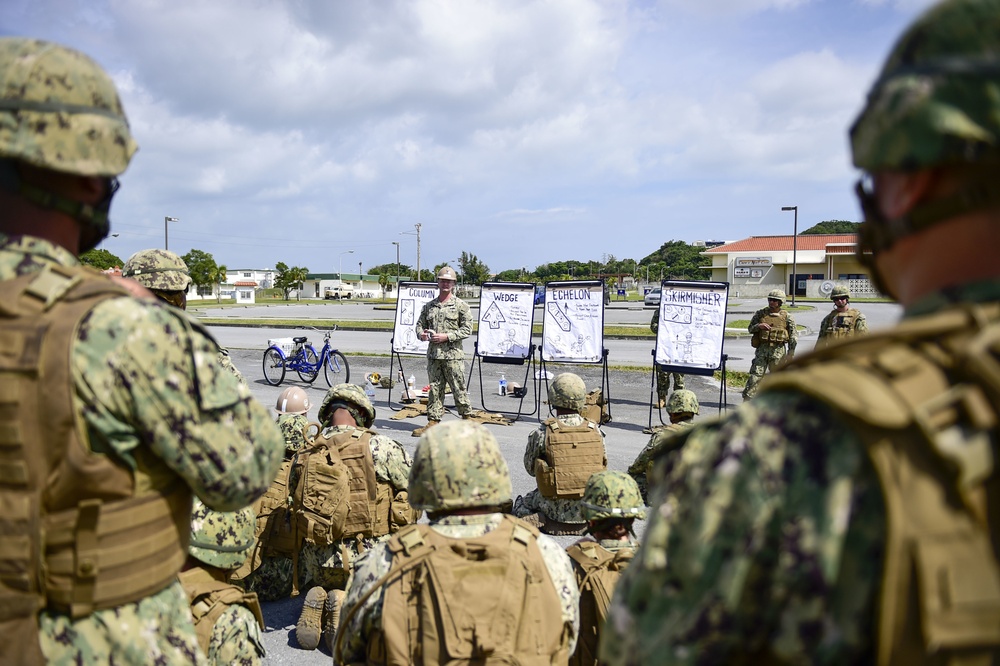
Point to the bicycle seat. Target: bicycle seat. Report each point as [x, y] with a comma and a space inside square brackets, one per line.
[299, 341]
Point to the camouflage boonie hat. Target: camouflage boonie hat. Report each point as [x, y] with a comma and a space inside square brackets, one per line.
[353, 398]
[778, 294]
[59, 110]
[682, 400]
[458, 465]
[936, 99]
[158, 269]
[568, 391]
[840, 291]
[221, 538]
[611, 494]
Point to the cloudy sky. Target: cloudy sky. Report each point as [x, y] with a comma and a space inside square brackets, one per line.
[520, 131]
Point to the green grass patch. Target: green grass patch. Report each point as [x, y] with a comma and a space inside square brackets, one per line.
[734, 378]
[737, 323]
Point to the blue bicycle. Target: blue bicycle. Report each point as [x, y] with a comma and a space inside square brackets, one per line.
[306, 362]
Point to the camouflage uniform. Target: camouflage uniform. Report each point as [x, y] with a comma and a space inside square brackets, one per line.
[236, 635]
[662, 376]
[833, 325]
[681, 402]
[292, 428]
[775, 535]
[325, 565]
[562, 510]
[768, 355]
[144, 382]
[446, 360]
[457, 465]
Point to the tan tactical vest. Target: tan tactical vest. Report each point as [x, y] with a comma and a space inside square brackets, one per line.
[75, 538]
[482, 600]
[572, 455]
[209, 599]
[841, 325]
[924, 398]
[779, 329]
[597, 573]
[273, 531]
[337, 494]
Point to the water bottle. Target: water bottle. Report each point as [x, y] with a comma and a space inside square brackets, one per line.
[369, 390]
[411, 385]
[503, 384]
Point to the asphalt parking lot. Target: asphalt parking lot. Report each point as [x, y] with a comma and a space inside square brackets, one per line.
[630, 395]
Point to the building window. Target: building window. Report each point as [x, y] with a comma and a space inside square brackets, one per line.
[245, 294]
[248, 275]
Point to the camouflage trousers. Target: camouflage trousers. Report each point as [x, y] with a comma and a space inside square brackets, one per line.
[767, 358]
[330, 566]
[273, 579]
[561, 510]
[441, 373]
[663, 382]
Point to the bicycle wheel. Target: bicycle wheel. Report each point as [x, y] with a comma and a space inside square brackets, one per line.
[274, 366]
[308, 366]
[336, 368]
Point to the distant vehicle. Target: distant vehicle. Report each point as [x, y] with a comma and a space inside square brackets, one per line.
[539, 294]
[652, 299]
[337, 293]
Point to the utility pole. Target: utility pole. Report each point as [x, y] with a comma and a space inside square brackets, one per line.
[396, 243]
[418, 225]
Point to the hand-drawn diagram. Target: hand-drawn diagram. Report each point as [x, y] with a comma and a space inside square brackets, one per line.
[692, 326]
[506, 314]
[412, 297]
[573, 324]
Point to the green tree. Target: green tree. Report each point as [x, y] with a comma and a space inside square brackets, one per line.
[287, 278]
[680, 261]
[832, 227]
[101, 259]
[220, 277]
[202, 268]
[385, 281]
[405, 270]
[473, 270]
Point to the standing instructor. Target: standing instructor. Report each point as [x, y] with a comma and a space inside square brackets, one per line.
[445, 322]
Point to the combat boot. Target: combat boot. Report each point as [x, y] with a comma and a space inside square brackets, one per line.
[421, 430]
[310, 625]
[331, 616]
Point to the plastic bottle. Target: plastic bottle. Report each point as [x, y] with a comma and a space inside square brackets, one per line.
[503, 384]
[369, 390]
[411, 385]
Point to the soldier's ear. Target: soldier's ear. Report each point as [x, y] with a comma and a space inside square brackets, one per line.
[898, 192]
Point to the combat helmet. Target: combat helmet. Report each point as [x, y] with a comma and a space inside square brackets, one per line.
[681, 401]
[458, 465]
[568, 391]
[353, 399]
[158, 269]
[447, 273]
[60, 111]
[221, 539]
[293, 400]
[839, 292]
[777, 294]
[612, 494]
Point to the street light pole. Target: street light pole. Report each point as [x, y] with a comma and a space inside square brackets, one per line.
[795, 248]
[396, 243]
[166, 245]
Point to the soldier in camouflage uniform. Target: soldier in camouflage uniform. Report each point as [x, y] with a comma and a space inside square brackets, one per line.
[228, 620]
[272, 578]
[167, 276]
[346, 410]
[662, 376]
[844, 516]
[461, 479]
[611, 504]
[844, 321]
[445, 322]
[138, 420]
[548, 510]
[682, 407]
[773, 329]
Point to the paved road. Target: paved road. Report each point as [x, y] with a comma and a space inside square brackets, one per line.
[630, 392]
